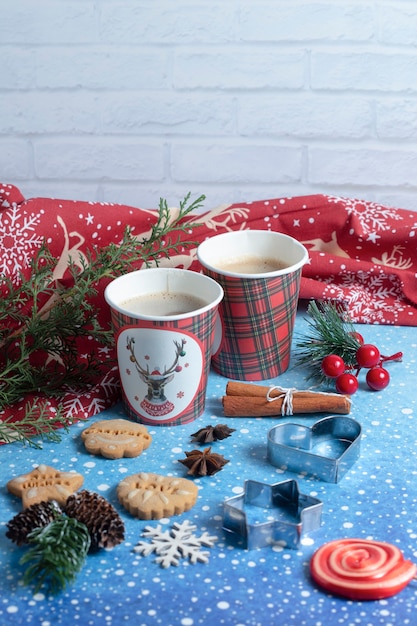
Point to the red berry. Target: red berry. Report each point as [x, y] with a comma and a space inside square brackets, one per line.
[377, 378]
[347, 384]
[333, 365]
[368, 355]
[358, 337]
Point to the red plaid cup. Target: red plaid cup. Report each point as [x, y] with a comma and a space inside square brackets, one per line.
[164, 321]
[260, 272]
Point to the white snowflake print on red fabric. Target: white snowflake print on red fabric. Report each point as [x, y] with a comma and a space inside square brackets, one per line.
[371, 297]
[19, 237]
[177, 543]
[371, 216]
[94, 400]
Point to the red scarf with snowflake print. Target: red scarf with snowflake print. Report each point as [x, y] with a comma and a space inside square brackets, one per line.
[360, 253]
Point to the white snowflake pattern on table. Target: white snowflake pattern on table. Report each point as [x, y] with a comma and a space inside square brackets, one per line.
[372, 297]
[18, 238]
[372, 216]
[174, 544]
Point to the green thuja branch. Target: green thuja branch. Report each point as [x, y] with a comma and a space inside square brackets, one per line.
[43, 319]
[56, 555]
[165, 223]
[34, 425]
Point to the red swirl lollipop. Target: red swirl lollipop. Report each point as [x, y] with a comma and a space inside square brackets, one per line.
[361, 569]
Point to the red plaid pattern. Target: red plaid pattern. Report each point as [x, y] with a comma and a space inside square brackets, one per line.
[258, 320]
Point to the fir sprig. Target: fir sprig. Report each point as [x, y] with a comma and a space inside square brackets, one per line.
[57, 554]
[164, 225]
[34, 426]
[43, 319]
[330, 331]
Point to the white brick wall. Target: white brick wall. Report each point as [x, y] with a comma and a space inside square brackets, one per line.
[131, 100]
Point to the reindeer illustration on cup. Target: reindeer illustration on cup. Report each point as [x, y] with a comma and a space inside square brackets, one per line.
[155, 402]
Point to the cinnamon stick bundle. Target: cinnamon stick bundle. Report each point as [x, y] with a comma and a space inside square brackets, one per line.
[247, 400]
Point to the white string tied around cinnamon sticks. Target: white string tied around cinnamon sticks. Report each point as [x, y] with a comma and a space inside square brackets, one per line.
[287, 396]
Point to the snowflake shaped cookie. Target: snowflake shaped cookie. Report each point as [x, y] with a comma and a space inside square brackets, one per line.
[177, 543]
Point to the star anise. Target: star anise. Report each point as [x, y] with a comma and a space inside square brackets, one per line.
[212, 433]
[203, 463]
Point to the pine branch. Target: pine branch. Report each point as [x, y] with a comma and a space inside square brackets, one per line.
[330, 332]
[57, 554]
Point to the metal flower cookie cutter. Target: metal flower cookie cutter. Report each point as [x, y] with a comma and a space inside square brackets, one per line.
[325, 450]
[271, 514]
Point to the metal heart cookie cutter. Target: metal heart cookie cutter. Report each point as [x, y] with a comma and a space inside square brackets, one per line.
[325, 450]
[271, 514]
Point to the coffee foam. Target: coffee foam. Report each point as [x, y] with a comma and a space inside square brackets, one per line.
[250, 264]
[162, 304]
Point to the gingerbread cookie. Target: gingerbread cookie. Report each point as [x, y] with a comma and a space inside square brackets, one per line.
[44, 484]
[116, 438]
[151, 496]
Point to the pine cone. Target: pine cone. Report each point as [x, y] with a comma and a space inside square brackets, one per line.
[104, 524]
[37, 515]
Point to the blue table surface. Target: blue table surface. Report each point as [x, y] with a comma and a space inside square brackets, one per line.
[375, 499]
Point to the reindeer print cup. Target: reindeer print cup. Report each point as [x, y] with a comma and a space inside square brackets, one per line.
[164, 321]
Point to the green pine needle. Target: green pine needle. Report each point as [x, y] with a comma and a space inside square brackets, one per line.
[330, 332]
[57, 555]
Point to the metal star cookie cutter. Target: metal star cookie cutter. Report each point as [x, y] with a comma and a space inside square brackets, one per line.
[271, 514]
[326, 450]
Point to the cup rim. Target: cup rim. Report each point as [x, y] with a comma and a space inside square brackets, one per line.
[167, 270]
[236, 234]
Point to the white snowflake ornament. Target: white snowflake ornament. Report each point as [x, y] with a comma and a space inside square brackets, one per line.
[174, 544]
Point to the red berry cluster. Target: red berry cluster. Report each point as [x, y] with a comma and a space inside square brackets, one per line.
[367, 356]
